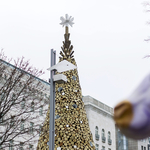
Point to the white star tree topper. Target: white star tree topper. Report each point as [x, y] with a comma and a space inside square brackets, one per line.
[68, 20]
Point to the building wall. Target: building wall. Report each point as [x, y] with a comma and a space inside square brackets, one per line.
[38, 119]
[41, 99]
[132, 144]
[100, 115]
[144, 143]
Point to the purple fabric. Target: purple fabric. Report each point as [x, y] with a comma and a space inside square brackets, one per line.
[140, 99]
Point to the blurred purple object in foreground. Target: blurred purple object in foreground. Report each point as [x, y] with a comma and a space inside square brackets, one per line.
[132, 115]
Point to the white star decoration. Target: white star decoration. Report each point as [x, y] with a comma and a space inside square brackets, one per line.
[67, 21]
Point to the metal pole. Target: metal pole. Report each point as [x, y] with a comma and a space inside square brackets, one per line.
[52, 104]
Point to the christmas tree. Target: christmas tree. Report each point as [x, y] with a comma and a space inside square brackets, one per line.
[71, 125]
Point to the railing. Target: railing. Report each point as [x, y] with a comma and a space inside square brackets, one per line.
[109, 141]
[97, 136]
[103, 139]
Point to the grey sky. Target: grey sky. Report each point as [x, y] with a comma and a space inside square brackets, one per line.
[108, 39]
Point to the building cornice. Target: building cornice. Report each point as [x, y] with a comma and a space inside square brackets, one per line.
[98, 106]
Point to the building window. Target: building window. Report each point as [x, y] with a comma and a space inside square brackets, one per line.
[109, 138]
[11, 145]
[21, 146]
[13, 98]
[40, 129]
[97, 147]
[20, 84]
[109, 149]
[0, 142]
[45, 96]
[103, 147]
[22, 125]
[31, 127]
[1, 117]
[96, 130]
[103, 136]
[30, 147]
[144, 148]
[141, 147]
[32, 107]
[41, 94]
[41, 111]
[12, 121]
[23, 103]
[96, 133]
[103, 132]
[5, 76]
[109, 135]
[2, 96]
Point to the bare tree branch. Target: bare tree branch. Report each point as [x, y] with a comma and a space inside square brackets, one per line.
[22, 96]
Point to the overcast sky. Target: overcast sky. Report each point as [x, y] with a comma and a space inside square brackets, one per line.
[108, 39]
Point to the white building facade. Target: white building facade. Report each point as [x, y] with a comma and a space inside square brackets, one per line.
[101, 123]
[144, 144]
[106, 135]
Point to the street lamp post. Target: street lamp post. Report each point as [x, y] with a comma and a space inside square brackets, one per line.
[59, 78]
[52, 103]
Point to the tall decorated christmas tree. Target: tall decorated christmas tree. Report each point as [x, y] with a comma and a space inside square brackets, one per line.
[71, 125]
